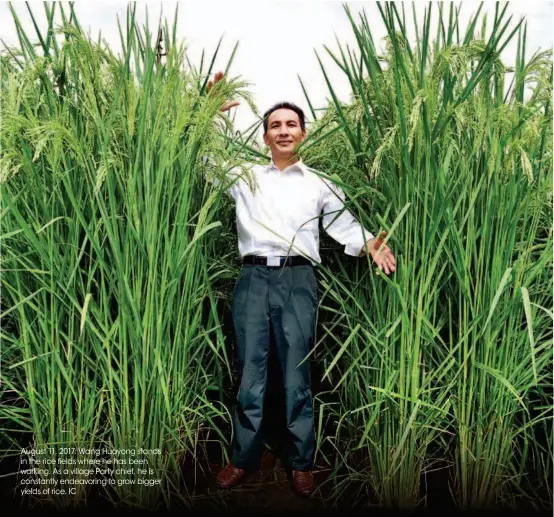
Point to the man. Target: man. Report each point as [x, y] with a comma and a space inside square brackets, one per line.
[276, 291]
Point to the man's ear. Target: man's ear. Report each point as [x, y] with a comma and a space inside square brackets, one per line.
[265, 139]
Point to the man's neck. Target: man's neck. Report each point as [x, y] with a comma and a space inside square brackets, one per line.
[284, 162]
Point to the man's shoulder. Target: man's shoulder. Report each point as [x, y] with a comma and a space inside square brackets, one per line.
[242, 167]
[246, 175]
[319, 177]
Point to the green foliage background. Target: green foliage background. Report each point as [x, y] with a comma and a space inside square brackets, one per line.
[119, 258]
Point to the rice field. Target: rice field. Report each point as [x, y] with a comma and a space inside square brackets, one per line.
[119, 259]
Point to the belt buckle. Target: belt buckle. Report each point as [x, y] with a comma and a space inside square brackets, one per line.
[273, 261]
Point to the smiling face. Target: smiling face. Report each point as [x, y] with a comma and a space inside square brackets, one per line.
[284, 133]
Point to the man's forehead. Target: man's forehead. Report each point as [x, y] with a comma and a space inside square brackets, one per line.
[283, 115]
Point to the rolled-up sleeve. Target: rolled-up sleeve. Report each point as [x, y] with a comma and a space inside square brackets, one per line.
[344, 228]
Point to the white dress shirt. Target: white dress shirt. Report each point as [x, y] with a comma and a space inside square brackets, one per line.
[280, 216]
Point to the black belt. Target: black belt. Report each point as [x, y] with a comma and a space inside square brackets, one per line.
[294, 260]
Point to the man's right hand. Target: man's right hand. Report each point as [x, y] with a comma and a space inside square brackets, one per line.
[228, 105]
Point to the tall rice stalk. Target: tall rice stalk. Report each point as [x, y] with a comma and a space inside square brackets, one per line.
[447, 361]
[111, 326]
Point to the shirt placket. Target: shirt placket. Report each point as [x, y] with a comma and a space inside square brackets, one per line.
[273, 258]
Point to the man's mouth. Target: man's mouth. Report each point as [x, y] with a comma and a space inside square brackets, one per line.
[285, 142]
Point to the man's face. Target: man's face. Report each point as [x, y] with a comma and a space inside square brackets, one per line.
[283, 133]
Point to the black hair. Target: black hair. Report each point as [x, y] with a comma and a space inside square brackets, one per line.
[289, 106]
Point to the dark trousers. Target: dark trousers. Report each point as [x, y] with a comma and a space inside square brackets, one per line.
[282, 301]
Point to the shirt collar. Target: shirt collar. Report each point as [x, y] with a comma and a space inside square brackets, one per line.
[299, 166]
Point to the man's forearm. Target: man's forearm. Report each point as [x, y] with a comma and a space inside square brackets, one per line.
[366, 247]
[373, 243]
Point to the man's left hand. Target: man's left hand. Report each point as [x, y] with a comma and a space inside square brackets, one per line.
[381, 255]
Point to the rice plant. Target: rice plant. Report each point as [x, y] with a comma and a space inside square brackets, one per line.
[447, 362]
[111, 320]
